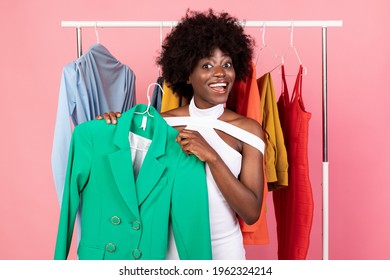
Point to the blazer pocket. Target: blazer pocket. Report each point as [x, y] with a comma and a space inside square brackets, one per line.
[88, 252]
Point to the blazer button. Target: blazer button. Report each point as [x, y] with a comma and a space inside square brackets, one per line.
[110, 247]
[136, 225]
[115, 220]
[137, 254]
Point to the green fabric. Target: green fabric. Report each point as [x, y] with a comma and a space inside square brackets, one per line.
[126, 219]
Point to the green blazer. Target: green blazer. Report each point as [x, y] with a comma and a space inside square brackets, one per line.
[124, 218]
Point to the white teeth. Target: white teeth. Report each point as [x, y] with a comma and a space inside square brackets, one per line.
[218, 85]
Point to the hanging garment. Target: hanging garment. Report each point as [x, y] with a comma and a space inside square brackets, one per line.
[157, 95]
[245, 100]
[125, 213]
[93, 84]
[275, 158]
[245, 97]
[294, 205]
[170, 100]
[226, 236]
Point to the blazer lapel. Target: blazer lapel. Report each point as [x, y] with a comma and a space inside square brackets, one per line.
[148, 177]
[121, 164]
[152, 169]
[134, 193]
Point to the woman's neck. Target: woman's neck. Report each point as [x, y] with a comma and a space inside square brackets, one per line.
[213, 112]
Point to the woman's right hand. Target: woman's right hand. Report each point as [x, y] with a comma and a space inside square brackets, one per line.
[109, 117]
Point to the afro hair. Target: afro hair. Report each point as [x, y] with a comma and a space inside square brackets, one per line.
[195, 36]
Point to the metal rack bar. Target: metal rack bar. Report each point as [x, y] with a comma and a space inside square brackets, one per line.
[324, 24]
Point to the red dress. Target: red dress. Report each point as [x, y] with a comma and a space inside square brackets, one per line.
[294, 204]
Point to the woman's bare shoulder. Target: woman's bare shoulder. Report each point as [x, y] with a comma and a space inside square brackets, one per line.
[245, 123]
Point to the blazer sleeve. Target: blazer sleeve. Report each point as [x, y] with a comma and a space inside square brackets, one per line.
[77, 175]
[190, 210]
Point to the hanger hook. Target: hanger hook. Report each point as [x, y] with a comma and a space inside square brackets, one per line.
[96, 32]
[263, 35]
[148, 96]
[292, 34]
[153, 84]
[292, 46]
[262, 30]
[292, 42]
[264, 44]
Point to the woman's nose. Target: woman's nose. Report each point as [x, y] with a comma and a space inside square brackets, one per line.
[219, 71]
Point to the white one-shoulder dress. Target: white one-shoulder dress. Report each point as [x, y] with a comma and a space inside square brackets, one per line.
[226, 236]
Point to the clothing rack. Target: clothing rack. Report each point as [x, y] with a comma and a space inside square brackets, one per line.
[323, 24]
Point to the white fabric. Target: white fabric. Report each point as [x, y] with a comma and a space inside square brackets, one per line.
[209, 113]
[139, 147]
[226, 236]
[232, 130]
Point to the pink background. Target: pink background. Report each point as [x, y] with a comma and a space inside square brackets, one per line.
[34, 48]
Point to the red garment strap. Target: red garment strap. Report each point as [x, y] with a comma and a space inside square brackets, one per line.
[297, 93]
[286, 97]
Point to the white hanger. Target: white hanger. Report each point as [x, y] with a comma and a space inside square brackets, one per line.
[292, 47]
[266, 46]
[96, 33]
[147, 95]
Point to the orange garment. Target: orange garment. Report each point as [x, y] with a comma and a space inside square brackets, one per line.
[245, 100]
[275, 156]
[171, 100]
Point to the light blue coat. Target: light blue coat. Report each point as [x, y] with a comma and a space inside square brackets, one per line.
[93, 84]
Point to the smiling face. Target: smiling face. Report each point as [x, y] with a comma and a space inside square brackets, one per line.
[212, 79]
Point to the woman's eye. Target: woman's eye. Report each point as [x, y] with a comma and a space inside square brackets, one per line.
[207, 66]
[228, 65]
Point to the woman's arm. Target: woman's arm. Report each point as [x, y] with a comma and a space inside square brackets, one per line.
[244, 195]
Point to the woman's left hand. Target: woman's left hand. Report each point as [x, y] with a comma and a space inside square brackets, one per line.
[192, 142]
[110, 118]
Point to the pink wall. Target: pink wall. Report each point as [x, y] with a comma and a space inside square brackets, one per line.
[34, 48]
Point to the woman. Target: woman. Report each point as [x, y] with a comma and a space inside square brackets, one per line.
[200, 60]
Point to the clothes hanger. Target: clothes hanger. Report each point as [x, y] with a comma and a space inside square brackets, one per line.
[148, 96]
[266, 46]
[294, 49]
[155, 84]
[144, 118]
[96, 33]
